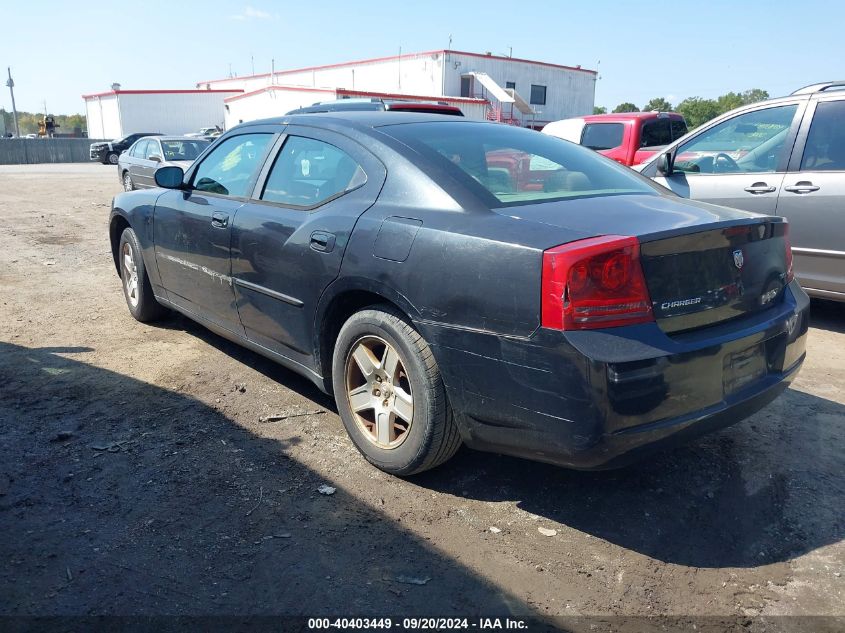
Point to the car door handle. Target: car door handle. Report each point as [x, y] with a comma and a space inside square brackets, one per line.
[805, 186]
[760, 187]
[322, 241]
[219, 220]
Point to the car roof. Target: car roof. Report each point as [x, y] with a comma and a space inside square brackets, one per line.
[629, 116]
[182, 138]
[359, 119]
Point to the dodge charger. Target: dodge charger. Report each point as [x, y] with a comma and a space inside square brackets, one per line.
[457, 282]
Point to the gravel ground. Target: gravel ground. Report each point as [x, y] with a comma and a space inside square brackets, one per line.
[137, 477]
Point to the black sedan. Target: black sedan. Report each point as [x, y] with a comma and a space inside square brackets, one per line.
[107, 152]
[464, 282]
[137, 166]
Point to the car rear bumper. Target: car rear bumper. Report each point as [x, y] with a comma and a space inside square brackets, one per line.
[602, 398]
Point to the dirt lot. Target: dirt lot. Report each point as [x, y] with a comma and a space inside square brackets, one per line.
[138, 479]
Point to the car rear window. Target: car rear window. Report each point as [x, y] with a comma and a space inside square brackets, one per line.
[655, 133]
[509, 165]
[599, 136]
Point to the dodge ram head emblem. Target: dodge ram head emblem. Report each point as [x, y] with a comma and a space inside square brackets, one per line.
[739, 259]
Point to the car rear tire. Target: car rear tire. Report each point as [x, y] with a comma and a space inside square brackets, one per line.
[390, 394]
[111, 158]
[128, 185]
[137, 290]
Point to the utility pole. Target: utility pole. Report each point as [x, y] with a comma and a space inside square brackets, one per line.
[11, 85]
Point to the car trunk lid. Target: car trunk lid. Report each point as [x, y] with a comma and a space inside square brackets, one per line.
[703, 264]
[706, 277]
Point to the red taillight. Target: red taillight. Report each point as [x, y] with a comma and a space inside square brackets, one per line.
[594, 283]
[790, 273]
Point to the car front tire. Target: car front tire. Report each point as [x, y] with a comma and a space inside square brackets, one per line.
[390, 394]
[137, 290]
[111, 158]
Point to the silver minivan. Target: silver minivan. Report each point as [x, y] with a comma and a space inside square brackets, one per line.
[783, 156]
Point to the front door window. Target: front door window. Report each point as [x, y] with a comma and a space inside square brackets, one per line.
[231, 168]
[754, 142]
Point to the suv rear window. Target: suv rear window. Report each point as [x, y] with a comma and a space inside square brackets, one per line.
[507, 165]
[600, 136]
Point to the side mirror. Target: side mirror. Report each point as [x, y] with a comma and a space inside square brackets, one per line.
[664, 164]
[169, 177]
[155, 158]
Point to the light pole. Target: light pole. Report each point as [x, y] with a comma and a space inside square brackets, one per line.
[11, 85]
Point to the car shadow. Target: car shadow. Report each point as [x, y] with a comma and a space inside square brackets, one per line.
[272, 370]
[828, 315]
[765, 491]
[121, 497]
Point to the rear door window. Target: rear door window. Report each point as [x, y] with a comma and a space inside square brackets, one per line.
[825, 148]
[307, 172]
[139, 150]
[655, 133]
[679, 128]
[599, 136]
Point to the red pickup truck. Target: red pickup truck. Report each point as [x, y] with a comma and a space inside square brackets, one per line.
[628, 138]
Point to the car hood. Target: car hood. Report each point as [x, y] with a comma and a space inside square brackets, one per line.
[640, 215]
[184, 164]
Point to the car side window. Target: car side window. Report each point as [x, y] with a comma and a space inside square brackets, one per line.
[825, 147]
[229, 169]
[655, 133]
[139, 150]
[308, 172]
[152, 150]
[753, 142]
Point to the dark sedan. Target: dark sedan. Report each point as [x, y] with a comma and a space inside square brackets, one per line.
[137, 166]
[463, 282]
[107, 152]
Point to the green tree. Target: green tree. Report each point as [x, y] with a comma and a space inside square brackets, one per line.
[658, 103]
[625, 107]
[754, 95]
[729, 101]
[697, 110]
[599, 110]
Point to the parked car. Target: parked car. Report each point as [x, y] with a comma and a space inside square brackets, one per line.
[136, 167]
[628, 138]
[783, 156]
[375, 103]
[205, 132]
[583, 323]
[108, 152]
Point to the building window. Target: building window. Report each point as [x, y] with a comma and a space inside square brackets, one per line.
[510, 84]
[538, 95]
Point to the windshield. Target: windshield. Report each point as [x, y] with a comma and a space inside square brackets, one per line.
[183, 150]
[516, 165]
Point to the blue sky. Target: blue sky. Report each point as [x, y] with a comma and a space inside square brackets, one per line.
[58, 50]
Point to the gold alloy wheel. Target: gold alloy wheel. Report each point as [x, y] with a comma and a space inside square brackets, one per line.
[379, 392]
[130, 275]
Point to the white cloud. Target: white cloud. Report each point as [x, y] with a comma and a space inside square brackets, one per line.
[251, 13]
